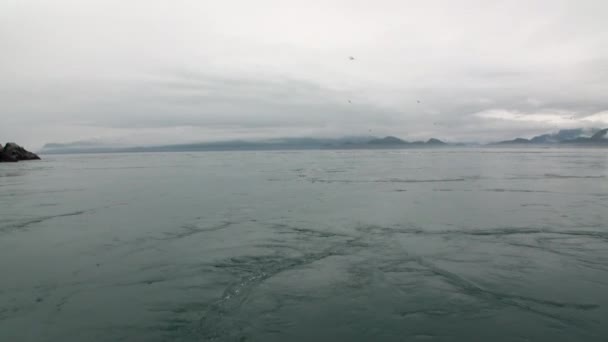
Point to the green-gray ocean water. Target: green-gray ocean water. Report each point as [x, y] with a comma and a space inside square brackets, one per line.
[391, 245]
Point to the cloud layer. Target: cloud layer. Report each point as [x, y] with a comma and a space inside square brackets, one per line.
[150, 72]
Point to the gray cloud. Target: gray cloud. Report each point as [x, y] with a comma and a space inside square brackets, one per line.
[163, 72]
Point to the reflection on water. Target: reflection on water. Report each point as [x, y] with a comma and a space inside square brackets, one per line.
[442, 245]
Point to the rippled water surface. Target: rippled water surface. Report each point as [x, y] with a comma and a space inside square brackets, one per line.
[441, 245]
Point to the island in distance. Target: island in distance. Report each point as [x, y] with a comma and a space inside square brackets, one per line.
[12, 152]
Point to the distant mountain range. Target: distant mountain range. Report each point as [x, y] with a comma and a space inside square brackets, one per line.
[242, 145]
[394, 141]
[578, 136]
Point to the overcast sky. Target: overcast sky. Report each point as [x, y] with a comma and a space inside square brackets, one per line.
[160, 72]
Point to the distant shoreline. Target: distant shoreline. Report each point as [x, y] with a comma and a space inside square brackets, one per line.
[316, 148]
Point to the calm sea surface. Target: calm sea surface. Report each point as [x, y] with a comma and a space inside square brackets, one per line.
[407, 245]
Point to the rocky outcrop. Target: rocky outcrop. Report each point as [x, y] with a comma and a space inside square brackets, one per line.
[12, 152]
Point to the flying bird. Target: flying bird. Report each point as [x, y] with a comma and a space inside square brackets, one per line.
[351, 58]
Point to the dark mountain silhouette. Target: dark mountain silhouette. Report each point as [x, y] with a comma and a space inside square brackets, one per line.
[599, 135]
[435, 142]
[396, 142]
[575, 136]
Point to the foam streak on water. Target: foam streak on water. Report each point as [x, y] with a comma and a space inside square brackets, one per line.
[441, 245]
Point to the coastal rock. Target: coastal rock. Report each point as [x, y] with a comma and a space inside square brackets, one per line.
[12, 152]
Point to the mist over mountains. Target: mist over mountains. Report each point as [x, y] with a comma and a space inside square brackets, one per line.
[593, 136]
[573, 137]
[304, 143]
